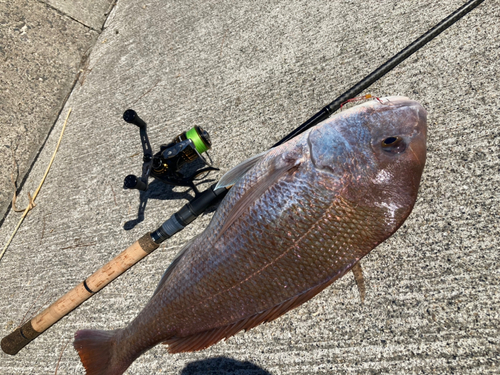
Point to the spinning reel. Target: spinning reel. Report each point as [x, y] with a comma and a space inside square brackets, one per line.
[166, 164]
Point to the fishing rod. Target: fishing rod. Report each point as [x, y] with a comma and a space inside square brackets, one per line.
[194, 143]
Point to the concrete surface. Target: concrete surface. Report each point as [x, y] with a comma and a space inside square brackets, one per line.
[42, 49]
[249, 72]
[91, 13]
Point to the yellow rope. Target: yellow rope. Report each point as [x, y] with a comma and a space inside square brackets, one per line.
[32, 199]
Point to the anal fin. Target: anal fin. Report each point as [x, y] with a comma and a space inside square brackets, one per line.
[360, 281]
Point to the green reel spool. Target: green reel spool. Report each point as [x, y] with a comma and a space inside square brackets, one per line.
[200, 138]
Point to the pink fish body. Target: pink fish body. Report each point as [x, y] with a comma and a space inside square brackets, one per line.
[297, 218]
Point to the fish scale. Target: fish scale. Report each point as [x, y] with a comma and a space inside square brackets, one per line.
[297, 218]
[266, 268]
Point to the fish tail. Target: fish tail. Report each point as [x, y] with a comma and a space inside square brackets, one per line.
[97, 352]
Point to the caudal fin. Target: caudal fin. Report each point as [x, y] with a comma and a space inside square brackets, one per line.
[96, 351]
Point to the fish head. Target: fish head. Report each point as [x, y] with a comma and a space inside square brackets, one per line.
[377, 152]
[398, 143]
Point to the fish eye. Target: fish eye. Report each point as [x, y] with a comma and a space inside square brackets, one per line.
[393, 145]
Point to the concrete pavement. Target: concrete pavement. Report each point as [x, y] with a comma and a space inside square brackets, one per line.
[249, 72]
[43, 49]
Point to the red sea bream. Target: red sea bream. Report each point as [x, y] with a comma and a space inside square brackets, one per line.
[298, 217]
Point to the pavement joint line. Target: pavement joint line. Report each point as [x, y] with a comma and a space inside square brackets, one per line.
[84, 60]
[35, 159]
[74, 19]
[32, 199]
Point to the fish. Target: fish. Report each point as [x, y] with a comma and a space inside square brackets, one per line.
[296, 218]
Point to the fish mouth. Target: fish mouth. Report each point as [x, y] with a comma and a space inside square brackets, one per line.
[418, 125]
[401, 130]
[387, 101]
[393, 100]
[389, 128]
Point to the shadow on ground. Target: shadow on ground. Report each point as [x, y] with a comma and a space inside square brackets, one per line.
[156, 190]
[163, 191]
[223, 366]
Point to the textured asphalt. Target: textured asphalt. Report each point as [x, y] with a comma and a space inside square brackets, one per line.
[249, 72]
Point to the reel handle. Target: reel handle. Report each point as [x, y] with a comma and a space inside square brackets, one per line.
[132, 117]
[133, 182]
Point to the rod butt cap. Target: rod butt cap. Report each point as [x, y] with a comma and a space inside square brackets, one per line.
[18, 339]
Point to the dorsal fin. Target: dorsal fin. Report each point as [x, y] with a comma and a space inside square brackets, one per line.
[204, 339]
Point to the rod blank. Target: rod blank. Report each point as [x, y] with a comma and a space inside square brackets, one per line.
[382, 70]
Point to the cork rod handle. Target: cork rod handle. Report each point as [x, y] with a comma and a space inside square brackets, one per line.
[23, 335]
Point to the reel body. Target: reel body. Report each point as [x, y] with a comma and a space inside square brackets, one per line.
[166, 164]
